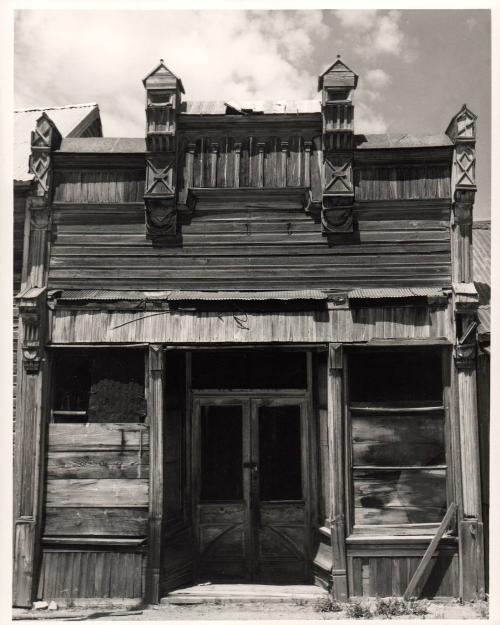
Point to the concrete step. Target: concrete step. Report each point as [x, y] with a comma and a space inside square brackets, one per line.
[296, 594]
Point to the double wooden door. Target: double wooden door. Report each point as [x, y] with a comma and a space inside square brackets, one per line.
[250, 488]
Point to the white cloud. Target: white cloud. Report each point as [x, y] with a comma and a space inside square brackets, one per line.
[368, 121]
[375, 32]
[377, 78]
[79, 56]
[362, 20]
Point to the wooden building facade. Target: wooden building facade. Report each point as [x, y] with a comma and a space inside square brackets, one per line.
[248, 355]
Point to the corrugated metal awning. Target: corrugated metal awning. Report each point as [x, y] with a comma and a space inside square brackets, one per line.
[401, 292]
[180, 296]
[484, 317]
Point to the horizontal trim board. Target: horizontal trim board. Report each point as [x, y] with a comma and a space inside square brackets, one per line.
[128, 493]
[105, 521]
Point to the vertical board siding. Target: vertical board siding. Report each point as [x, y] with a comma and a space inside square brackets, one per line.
[66, 574]
[410, 182]
[100, 326]
[384, 576]
[99, 185]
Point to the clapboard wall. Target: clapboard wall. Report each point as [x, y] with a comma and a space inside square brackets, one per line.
[241, 242]
[95, 511]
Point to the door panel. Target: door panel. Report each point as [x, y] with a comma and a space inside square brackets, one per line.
[221, 427]
[282, 516]
[251, 489]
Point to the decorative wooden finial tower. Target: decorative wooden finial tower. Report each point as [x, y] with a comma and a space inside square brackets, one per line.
[336, 85]
[462, 132]
[163, 97]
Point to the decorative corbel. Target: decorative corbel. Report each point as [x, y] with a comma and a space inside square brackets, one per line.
[31, 309]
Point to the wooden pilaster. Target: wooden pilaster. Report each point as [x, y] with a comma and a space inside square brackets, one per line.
[155, 417]
[337, 85]
[31, 372]
[462, 132]
[335, 451]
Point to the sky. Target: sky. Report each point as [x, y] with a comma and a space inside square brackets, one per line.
[416, 67]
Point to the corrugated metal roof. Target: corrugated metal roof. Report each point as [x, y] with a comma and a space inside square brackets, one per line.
[116, 145]
[481, 260]
[484, 317]
[395, 292]
[66, 119]
[368, 142]
[138, 144]
[267, 107]
[176, 295]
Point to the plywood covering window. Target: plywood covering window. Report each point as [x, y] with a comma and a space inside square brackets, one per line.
[98, 386]
[396, 436]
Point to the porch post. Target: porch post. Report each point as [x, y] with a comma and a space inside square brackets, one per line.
[336, 470]
[156, 370]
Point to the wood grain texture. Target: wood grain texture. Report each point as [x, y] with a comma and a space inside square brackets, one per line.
[100, 574]
[398, 496]
[97, 437]
[82, 522]
[98, 326]
[249, 244]
[99, 465]
[85, 493]
[382, 576]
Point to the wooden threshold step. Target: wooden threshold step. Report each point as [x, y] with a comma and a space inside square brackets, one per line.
[247, 593]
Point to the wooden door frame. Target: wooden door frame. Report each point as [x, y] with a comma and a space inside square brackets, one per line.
[250, 400]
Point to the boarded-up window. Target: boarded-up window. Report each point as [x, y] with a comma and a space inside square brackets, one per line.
[397, 437]
[99, 386]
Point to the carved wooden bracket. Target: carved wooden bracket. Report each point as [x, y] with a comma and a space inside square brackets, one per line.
[39, 211]
[335, 357]
[161, 220]
[31, 310]
[463, 206]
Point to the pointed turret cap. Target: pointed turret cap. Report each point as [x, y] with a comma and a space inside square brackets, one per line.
[162, 78]
[338, 75]
[462, 126]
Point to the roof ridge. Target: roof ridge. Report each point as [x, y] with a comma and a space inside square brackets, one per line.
[56, 108]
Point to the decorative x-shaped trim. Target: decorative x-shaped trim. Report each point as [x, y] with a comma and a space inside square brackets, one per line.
[465, 162]
[157, 175]
[341, 174]
[40, 168]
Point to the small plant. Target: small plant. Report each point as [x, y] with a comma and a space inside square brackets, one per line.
[418, 608]
[329, 605]
[358, 610]
[300, 602]
[394, 606]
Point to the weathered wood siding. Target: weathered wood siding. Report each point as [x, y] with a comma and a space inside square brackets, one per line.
[93, 573]
[410, 182]
[250, 161]
[18, 247]
[96, 492]
[376, 575]
[101, 326]
[98, 241]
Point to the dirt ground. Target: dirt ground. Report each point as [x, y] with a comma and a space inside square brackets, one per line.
[235, 612]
